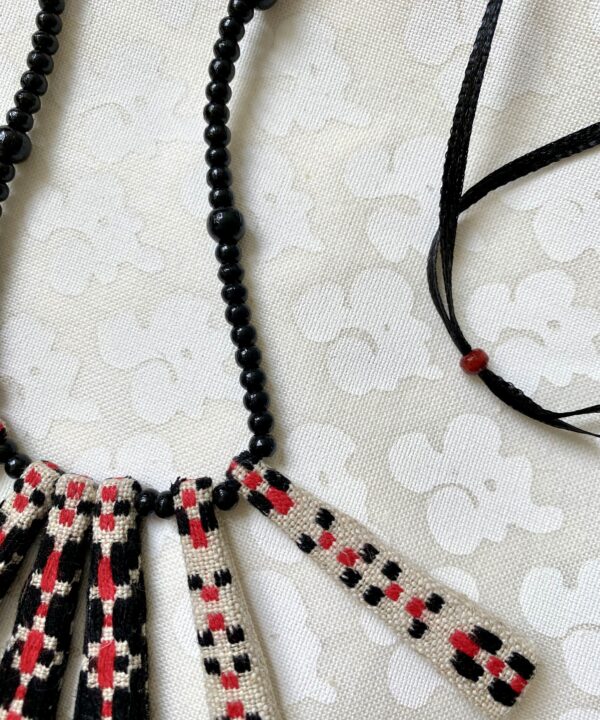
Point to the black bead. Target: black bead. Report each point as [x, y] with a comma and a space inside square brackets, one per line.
[226, 253]
[218, 157]
[34, 82]
[231, 273]
[221, 197]
[27, 101]
[216, 113]
[262, 446]
[226, 225]
[234, 294]
[237, 315]
[226, 495]
[221, 70]
[218, 92]
[4, 192]
[145, 502]
[253, 380]
[217, 135]
[248, 358]
[15, 146]
[241, 10]
[219, 177]
[165, 506]
[227, 49]
[55, 6]
[7, 173]
[264, 4]
[232, 29]
[44, 42]
[49, 22]
[243, 336]
[256, 402]
[261, 424]
[15, 466]
[19, 120]
[7, 449]
[40, 62]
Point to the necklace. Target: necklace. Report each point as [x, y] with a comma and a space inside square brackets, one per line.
[478, 654]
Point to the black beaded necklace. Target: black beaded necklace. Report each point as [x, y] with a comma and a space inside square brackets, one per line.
[473, 649]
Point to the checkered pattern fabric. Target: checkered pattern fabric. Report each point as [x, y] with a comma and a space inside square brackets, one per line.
[33, 664]
[473, 650]
[114, 676]
[21, 517]
[238, 685]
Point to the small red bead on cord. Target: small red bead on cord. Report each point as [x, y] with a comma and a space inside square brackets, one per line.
[475, 361]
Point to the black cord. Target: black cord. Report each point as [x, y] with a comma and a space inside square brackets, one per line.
[453, 202]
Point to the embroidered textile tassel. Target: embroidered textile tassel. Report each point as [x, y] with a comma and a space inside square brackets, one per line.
[21, 517]
[114, 675]
[238, 684]
[34, 662]
[473, 650]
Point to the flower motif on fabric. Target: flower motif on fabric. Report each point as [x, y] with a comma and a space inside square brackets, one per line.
[408, 179]
[476, 492]
[440, 34]
[558, 610]
[33, 365]
[177, 358]
[276, 210]
[304, 84]
[565, 205]
[372, 336]
[551, 327]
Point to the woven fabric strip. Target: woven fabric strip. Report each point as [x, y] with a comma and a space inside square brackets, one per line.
[34, 662]
[114, 675]
[238, 685]
[21, 517]
[473, 650]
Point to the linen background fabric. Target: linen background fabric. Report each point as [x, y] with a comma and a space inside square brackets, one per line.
[115, 358]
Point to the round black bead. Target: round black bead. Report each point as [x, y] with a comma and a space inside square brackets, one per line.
[226, 225]
[15, 466]
[44, 42]
[243, 336]
[145, 502]
[261, 423]
[219, 177]
[15, 146]
[7, 449]
[234, 294]
[256, 402]
[27, 101]
[232, 29]
[165, 506]
[218, 157]
[241, 10]
[248, 357]
[34, 82]
[226, 253]
[221, 197]
[7, 173]
[253, 380]
[19, 120]
[49, 22]
[216, 113]
[226, 494]
[217, 135]
[221, 70]
[54, 6]
[261, 446]
[233, 272]
[4, 192]
[40, 62]
[237, 315]
[227, 49]
[218, 92]
[264, 4]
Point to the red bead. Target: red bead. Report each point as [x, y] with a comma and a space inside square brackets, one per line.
[475, 361]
